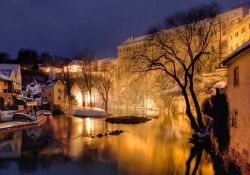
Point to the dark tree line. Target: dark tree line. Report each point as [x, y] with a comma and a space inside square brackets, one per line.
[30, 59]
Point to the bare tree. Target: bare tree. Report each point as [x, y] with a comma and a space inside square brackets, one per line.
[66, 79]
[103, 81]
[178, 50]
[86, 63]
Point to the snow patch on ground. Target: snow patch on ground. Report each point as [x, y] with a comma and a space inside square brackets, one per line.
[88, 112]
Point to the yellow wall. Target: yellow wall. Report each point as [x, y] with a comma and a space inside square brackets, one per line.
[239, 98]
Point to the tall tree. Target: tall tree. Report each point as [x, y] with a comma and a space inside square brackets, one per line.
[102, 82]
[177, 51]
[65, 63]
[86, 62]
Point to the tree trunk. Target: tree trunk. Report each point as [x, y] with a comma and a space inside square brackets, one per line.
[197, 106]
[106, 105]
[194, 125]
[90, 99]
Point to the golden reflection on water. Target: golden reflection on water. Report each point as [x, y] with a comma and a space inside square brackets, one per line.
[156, 147]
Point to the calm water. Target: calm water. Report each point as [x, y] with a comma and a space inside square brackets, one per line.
[64, 146]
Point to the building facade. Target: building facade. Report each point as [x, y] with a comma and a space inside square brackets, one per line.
[6, 91]
[238, 92]
[13, 71]
[232, 30]
[53, 92]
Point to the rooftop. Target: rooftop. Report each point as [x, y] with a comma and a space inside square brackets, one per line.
[13, 67]
[4, 77]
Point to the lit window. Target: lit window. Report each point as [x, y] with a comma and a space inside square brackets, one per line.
[236, 76]
[234, 118]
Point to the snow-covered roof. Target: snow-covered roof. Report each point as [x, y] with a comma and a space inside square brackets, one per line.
[6, 72]
[4, 77]
[50, 83]
[13, 67]
[235, 53]
[135, 39]
[34, 88]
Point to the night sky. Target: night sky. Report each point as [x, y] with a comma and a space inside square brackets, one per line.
[65, 27]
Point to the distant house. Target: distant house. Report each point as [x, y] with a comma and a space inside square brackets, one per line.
[6, 91]
[238, 92]
[13, 71]
[53, 93]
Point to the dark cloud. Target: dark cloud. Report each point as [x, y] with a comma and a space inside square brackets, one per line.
[65, 27]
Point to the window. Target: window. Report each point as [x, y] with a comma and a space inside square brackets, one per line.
[236, 76]
[49, 94]
[243, 30]
[234, 118]
[59, 90]
[236, 34]
[59, 98]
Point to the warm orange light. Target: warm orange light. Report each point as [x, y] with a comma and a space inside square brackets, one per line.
[79, 99]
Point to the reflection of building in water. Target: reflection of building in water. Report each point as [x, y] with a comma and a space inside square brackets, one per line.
[10, 145]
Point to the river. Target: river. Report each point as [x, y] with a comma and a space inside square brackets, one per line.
[67, 145]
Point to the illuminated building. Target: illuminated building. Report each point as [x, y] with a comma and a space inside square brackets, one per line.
[53, 93]
[239, 98]
[233, 30]
[13, 71]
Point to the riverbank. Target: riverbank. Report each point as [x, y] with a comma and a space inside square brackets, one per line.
[13, 126]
